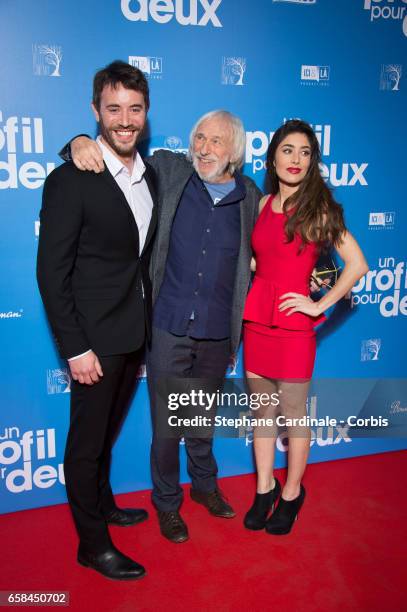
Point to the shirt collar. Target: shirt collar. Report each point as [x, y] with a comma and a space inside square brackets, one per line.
[238, 193]
[115, 166]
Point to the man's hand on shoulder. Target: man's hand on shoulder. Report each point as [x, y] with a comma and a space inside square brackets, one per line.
[86, 154]
[86, 369]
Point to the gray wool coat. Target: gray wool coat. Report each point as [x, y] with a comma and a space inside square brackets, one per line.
[173, 172]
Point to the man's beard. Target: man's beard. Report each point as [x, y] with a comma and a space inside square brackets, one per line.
[121, 149]
[217, 172]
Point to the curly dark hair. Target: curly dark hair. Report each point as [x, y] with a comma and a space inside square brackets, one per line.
[316, 216]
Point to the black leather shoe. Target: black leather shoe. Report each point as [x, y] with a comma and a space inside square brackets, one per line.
[112, 564]
[214, 502]
[263, 502]
[282, 519]
[172, 526]
[124, 517]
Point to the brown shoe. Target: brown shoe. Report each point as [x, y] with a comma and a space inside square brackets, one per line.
[172, 526]
[214, 502]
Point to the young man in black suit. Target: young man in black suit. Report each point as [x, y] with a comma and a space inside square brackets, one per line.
[93, 258]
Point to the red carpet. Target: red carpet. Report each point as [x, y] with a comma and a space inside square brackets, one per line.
[346, 552]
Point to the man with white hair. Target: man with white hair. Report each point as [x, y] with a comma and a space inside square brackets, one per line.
[200, 273]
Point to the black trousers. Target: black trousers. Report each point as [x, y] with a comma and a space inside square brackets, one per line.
[185, 358]
[97, 413]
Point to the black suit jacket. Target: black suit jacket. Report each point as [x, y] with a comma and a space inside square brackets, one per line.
[90, 274]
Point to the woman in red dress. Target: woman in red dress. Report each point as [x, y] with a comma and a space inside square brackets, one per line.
[295, 222]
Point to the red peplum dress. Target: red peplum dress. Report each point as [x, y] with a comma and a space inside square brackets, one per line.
[276, 345]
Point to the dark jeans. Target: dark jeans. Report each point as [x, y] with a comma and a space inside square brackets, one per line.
[183, 358]
[97, 412]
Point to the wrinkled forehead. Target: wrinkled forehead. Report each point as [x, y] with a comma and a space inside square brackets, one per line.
[216, 127]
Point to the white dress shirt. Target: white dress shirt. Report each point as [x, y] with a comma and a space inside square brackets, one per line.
[133, 186]
[135, 190]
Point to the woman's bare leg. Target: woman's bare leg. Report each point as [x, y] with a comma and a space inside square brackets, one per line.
[264, 438]
[293, 397]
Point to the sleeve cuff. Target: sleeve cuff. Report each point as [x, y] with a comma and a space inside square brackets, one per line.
[81, 355]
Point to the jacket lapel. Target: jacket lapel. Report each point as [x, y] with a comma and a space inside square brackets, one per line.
[150, 180]
[108, 178]
[149, 177]
[169, 201]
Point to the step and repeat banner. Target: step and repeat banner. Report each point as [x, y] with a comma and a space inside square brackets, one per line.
[341, 66]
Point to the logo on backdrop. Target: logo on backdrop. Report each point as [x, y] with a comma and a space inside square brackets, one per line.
[381, 220]
[22, 458]
[22, 135]
[347, 174]
[232, 367]
[233, 69]
[47, 60]
[315, 75]
[369, 349]
[58, 381]
[324, 435]
[385, 287]
[173, 143]
[388, 10]
[151, 66]
[12, 314]
[170, 143]
[390, 76]
[298, 1]
[396, 407]
[187, 12]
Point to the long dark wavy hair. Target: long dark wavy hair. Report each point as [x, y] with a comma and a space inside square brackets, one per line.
[316, 216]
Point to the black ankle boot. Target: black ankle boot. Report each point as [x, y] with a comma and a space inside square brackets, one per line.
[282, 520]
[263, 502]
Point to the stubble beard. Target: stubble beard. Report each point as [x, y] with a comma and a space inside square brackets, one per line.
[123, 150]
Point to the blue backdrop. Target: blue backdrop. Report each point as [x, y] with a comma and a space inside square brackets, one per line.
[338, 65]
